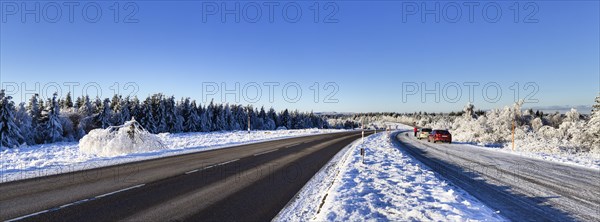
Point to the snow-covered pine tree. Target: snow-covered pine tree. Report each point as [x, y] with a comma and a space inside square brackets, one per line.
[86, 109]
[234, 123]
[297, 120]
[78, 103]
[103, 119]
[174, 120]
[134, 107]
[593, 127]
[285, 119]
[159, 111]
[146, 117]
[24, 121]
[50, 126]
[116, 105]
[316, 120]
[192, 123]
[170, 114]
[257, 123]
[34, 111]
[242, 117]
[219, 118]
[125, 112]
[185, 110]
[262, 115]
[271, 122]
[97, 105]
[115, 101]
[86, 123]
[68, 103]
[205, 123]
[10, 133]
[67, 122]
[229, 119]
[210, 113]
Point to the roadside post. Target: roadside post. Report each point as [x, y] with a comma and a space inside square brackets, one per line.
[362, 153]
[362, 126]
[513, 132]
[513, 136]
[248, 120]
[249, 110]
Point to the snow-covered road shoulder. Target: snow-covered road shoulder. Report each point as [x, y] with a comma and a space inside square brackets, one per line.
[389, 186]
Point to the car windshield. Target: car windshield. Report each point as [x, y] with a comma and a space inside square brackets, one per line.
[443, 132]
[426, 130]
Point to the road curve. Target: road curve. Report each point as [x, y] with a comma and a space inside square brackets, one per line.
[521, 188]
[247, 182]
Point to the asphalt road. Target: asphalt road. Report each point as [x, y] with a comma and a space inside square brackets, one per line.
[249, 183]
[520, 188]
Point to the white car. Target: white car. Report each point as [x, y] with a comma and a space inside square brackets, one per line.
[423, 133]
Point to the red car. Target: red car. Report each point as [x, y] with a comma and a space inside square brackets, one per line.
[439, 135]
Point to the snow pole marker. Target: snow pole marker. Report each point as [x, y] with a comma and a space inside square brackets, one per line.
[363, 136]
[248, 137]
[513, 131]
[389, 130]
[362, 153]
[248, 119]
[513, 136]
[363, 130]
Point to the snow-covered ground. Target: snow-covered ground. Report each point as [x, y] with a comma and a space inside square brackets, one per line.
[577, 159]
[389, 186]
[49, 159]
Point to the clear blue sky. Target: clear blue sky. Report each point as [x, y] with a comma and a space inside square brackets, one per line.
[369, 51]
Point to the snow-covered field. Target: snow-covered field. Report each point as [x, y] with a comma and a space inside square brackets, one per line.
[389, 186]
[55, 158]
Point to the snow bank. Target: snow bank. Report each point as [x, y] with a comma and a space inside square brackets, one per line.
[306, 204]
[389, 186]
[118, 140]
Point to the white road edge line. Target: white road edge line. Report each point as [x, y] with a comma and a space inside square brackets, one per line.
[191, 171]
[73, 203]
[269, 151]
[118, 191]
[211, 166]
[231, 161]
[28, 215]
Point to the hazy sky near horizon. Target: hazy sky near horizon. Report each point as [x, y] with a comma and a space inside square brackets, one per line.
[345, 56]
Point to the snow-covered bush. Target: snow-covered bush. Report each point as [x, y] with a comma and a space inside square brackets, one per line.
[118, 140]
[593, 129]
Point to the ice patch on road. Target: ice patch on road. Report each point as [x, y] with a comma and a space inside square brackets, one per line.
[389, 186]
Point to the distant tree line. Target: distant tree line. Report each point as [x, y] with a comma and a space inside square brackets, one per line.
[56, 119]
